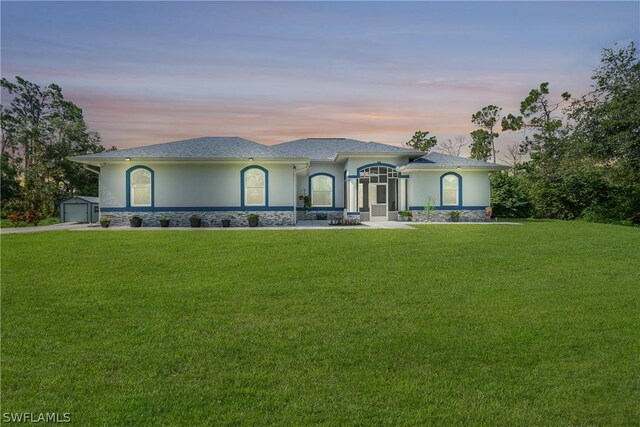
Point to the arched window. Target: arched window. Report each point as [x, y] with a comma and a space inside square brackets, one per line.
[140, 180]
[322, 190]
[450, 189]
[255, 186]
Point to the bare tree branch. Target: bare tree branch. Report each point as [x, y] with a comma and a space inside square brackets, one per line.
[453, 147]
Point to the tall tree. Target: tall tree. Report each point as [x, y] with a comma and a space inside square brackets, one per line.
[607, 130]
[480, 145]
[40, 129]
[539, 115]
[486, 119]
[10, 182]
[421, 141]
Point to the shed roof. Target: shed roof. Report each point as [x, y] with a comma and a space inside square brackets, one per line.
[88, 199]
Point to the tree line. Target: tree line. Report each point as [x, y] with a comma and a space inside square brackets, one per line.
[576, 157]
[40, 129]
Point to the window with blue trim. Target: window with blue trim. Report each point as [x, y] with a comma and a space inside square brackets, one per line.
[140, 187]
[254, 187]
[321, 191]
[450, 190]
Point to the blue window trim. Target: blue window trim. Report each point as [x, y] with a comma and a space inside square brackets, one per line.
[388, 165]
[266, 186]
[459, 205]
[333, 189]
[128, 185]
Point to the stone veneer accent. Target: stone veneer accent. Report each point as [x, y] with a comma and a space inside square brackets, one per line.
[311, 215]
[209, 219]
[443, 215]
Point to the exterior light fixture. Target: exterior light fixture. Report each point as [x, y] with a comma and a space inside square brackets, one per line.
[458, 167]
[128, 159]
[251, 159]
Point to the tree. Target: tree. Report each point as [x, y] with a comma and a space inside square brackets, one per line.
[421, 141]
[481, 145]
[607, 131]
[453, 147]
[40, 129]
[487, 118]
[10, 183]
[538, 115]
[513, 156]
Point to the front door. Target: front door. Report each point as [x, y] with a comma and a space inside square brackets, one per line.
[378, 202]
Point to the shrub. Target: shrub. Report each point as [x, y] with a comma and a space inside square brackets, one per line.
[509, 196]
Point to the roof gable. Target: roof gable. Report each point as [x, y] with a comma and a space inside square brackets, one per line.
[436, 160]
[317, 148]
[329, 148]
[376, 147]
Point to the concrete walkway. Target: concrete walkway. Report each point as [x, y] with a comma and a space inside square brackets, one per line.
[389, 225]
[54, 227]
[301, 225]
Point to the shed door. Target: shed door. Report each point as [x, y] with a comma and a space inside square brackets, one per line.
[76, 212]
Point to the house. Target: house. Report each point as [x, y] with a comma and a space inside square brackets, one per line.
[230, 177]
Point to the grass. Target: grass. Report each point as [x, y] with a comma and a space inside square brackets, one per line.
[5, 223]
[503, 325]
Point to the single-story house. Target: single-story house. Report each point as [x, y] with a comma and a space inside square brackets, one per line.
[230, 177]
[80, 209]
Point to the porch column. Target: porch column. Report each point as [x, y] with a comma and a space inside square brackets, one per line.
[402, 194]
[353, 195]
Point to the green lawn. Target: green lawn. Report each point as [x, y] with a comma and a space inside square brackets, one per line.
[530, 325]
[5, 223]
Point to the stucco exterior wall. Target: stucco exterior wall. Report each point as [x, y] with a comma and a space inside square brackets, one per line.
[475, 187]
[195, 184]
[335, 169]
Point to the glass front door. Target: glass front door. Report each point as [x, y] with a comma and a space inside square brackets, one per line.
[378, 200]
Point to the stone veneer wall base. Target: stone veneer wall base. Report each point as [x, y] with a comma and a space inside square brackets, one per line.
[311, 215]
[209, 219]
[443, 216]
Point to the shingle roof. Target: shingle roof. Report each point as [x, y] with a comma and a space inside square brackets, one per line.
[328, 148]
[317, 148]
[376, 147]
[206, 147]
[445, 161]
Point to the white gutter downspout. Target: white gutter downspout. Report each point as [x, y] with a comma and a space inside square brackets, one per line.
[295, 190]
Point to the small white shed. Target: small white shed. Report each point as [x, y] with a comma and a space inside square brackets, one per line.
[80, 209]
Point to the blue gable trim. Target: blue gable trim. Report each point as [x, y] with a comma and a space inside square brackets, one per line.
[450, 208]
[459, 205]
[199, 209]
[266, 185]
[333, 189]
[128, 184]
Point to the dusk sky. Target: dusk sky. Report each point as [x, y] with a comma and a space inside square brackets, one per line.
[151, 72]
